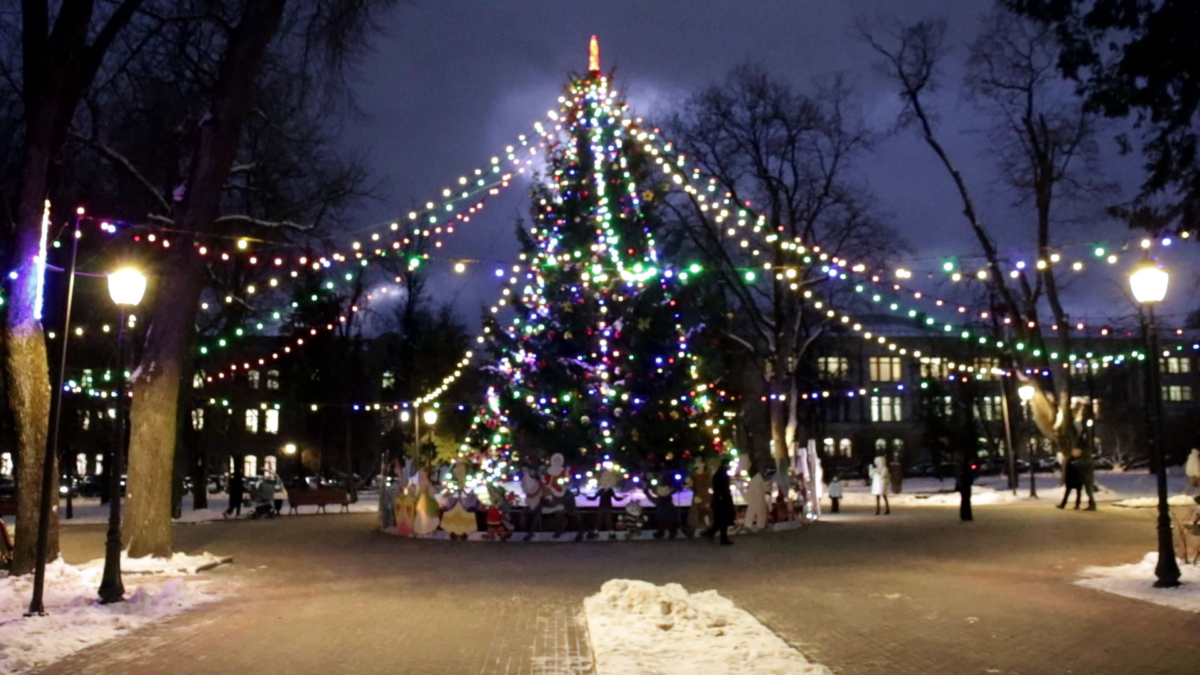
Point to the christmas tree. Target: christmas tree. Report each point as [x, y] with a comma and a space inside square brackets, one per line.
[603, 360]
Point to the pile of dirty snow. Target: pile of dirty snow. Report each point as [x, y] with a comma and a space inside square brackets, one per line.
[1136, 581]
[637, 628]
[154, 590]
[1152, 502]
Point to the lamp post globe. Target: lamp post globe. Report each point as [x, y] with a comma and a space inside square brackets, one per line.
[1149, 285]
[289, 449]
[430, 417]
[1026, 392]
[126, 287]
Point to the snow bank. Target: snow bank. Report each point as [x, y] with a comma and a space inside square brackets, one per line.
[76, 620]
[1137, 581]
[1152, 502]
[980, 496]
[637, 628]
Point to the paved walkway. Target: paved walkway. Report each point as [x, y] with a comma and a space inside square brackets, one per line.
[917, 592]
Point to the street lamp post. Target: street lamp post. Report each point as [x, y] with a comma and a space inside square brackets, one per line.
[126, 287]
[1026, 392]
[1149, 285]
[1013, 477]
[36, 607]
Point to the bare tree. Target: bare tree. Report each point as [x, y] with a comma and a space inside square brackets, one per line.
[1045, 144]
[791, 157]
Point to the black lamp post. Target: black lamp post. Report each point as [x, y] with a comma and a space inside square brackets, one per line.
[126, 288]
[1149, 285]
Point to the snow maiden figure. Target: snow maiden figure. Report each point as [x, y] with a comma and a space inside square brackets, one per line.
[756, 503]
[427, 513]
[459, 518]
[879, 484]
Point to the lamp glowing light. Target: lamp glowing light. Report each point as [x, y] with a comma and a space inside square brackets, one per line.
[1026, 392]
[289, 449]
[1149, 284]
[430, 416]
[127, 286]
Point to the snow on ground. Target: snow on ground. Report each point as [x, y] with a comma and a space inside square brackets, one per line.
[637, 628]
[1152, 502]
[940, 496]
[154, 590]
[1136, 581]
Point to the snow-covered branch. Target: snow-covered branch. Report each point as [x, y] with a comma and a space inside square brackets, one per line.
[120, 161]
[275, 224]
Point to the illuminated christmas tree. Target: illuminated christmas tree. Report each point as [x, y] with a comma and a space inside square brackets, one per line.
[603, 361]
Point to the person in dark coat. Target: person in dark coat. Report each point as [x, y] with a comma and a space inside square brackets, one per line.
[236, 490]
[1073, 478]
[723, 514]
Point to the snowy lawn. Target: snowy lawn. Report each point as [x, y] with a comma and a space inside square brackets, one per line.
[154, 590]
[1136, 581]
[637, 628]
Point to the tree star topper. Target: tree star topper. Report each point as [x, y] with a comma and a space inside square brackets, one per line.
[594, 56]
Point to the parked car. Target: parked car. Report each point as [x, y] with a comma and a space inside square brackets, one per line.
[68, 487]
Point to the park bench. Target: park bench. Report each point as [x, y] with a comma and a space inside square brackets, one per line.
[318, 497]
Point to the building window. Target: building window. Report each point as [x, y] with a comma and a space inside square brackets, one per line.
[252, 378]
[844, 448]
[885, 368]
[947, 406]
[1177, 364]
[991, 408]
[886, 409]
[271, 422]
[986, 364]
[880, 446]
[272, 379]
[934, 369]
[252, 420]
[6, 464]
[898, 447]
[249, 465]
[80, 464]
[1177, 392]
[99, 464]
[828, 446]
[269, 465]
[198, 418]
[833, 367]
[389, 380]
[85, 421]
[198, 380]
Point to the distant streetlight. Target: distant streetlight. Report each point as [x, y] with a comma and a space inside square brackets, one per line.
[289, 449]
[1149, 286]
[1026, 392]
[126, 287]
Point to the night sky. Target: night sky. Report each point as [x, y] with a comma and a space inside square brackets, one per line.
[449, 84]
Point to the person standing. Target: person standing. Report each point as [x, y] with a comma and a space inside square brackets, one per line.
[723, 514]
[835, 493]
[879, 484]
[236, 494]
[1073, 478]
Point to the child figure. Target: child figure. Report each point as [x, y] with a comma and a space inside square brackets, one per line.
[497, 529]
[835, 493]
[666, 516]
[606, 495]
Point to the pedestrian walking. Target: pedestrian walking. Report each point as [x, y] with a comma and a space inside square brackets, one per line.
[879, 484]
[835, 493]
[723, 514]
[236, 494]
[1192, 470]
[1073, 478]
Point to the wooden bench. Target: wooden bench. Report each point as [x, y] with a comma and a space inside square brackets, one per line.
[320, 498]
[8, 506]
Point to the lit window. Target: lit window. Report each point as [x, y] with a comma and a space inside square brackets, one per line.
[828, 446]
[6, 464]
[388, 380]
[833, 367]
[272, 379]
[898, 446]
[1177, 392]
[198, 380]
[990, 408]
[81, 464]
[844, 447]
[99, 464]
[85, 421]
[252, 420]
[271, 422]
[249, 465]
[1176, 364]
[885, 368]
[269, 465]
[886, 409]
[198, 418]
[252, 378]
[934, 369]
[986, 364]
[880, 446]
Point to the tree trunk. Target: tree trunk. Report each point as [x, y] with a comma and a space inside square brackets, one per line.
[27, 369]
[156, 390]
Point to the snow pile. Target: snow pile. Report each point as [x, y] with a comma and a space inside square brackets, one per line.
[1137, 581]
[1152, 502]
[637, 628]
[980, 495]
[76, 620]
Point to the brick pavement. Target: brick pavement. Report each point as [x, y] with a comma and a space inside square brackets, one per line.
[917, 592]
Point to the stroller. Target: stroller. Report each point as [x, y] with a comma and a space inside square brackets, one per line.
[263, 496]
